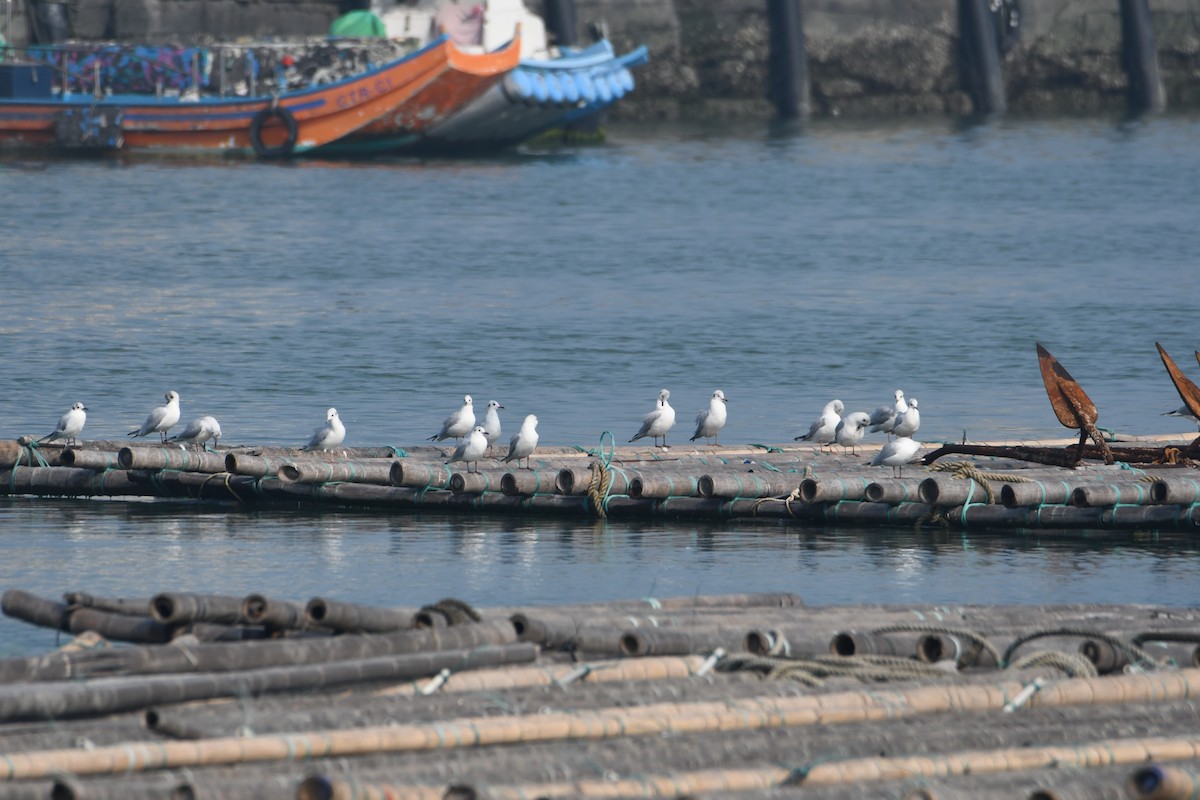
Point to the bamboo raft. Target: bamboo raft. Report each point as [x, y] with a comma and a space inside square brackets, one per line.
[751, 695]
[1152, 483]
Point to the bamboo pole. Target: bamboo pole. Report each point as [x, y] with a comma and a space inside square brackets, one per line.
[833, 490]
[137, 607]
[176, 608]
[354, 618]
[476, 482]
[90, 459]
[678, 642]
[420, 475]
[180, 458]
[119, 627]
[28, 607]
[944, 490]
[1158, 782]
[736, 485]
[307, 471]
[257, 609]
[892, 491]
[1037, 493]
[256, 466]
[1176, 491]
[56, 701]
[757, 713]
[664, 485]
[222, 657]
[573, 480]
[1103, 495]
[67, 481]
[528, 482]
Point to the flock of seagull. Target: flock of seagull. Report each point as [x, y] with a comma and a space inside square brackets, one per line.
[900, 419]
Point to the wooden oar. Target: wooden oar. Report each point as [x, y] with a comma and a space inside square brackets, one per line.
[1070, 402]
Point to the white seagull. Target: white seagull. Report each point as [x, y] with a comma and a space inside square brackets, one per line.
[472, 448]
[850, 430]
[824, 428]
[523, 444]
[658, 421]
[906, 424]
[161, 419]
[491, 422]
[70, 425]
[329, 435]
[1182, 411]
[896, 454]
[199, 431]
[710, 421]
[458, 424]
[884, 417]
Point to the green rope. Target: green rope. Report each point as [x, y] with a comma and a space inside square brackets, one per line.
[767, 447]
[398, 452]
[768, 466]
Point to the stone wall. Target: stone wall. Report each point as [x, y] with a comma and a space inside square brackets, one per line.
[709, 57]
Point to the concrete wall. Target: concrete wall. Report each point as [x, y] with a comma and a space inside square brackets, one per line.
[709, 57]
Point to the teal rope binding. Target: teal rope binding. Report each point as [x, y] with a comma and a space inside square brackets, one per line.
[767, 447]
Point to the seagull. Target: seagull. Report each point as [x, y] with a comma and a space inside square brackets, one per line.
[491, 422]
[906, 424]
[523, 444]
[824, 428]
[884, 417]
[472, 448]
[1182, 411]
[458, 424]
[658, 421]
[161, 419]
[199, 431]
[329, 435]
[850, 430]
[710, 421]
[70, 425]
[896, 454]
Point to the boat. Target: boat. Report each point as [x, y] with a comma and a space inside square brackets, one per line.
[275, 118]
[463, 78]
[551, 87]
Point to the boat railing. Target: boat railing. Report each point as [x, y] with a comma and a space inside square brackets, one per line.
[194, 71]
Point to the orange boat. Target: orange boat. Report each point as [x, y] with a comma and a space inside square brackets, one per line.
[463, 78]
[269, 126]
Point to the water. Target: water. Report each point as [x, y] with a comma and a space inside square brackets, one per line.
[784, 268]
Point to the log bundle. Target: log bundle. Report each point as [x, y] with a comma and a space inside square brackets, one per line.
[748, 695]
[789, 483]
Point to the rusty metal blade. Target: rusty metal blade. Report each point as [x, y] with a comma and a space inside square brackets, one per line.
[1187, 390]
[1070, 402]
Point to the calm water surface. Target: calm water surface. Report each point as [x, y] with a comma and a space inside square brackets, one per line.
[785, 268]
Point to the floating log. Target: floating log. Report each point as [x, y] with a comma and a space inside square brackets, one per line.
[113, 695]
[353, 618]
[176, 608]
[180, 458]
[377, 472]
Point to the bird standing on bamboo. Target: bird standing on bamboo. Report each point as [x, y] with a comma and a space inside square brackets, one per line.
[472, 448]
[199, 431]
[523, 444]
[70, 425]
[823, 431]
[491, 422]
[458, 424]
[161, 419]
[658, 421]
[710, 421]
[329, 435]
[884, 418]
